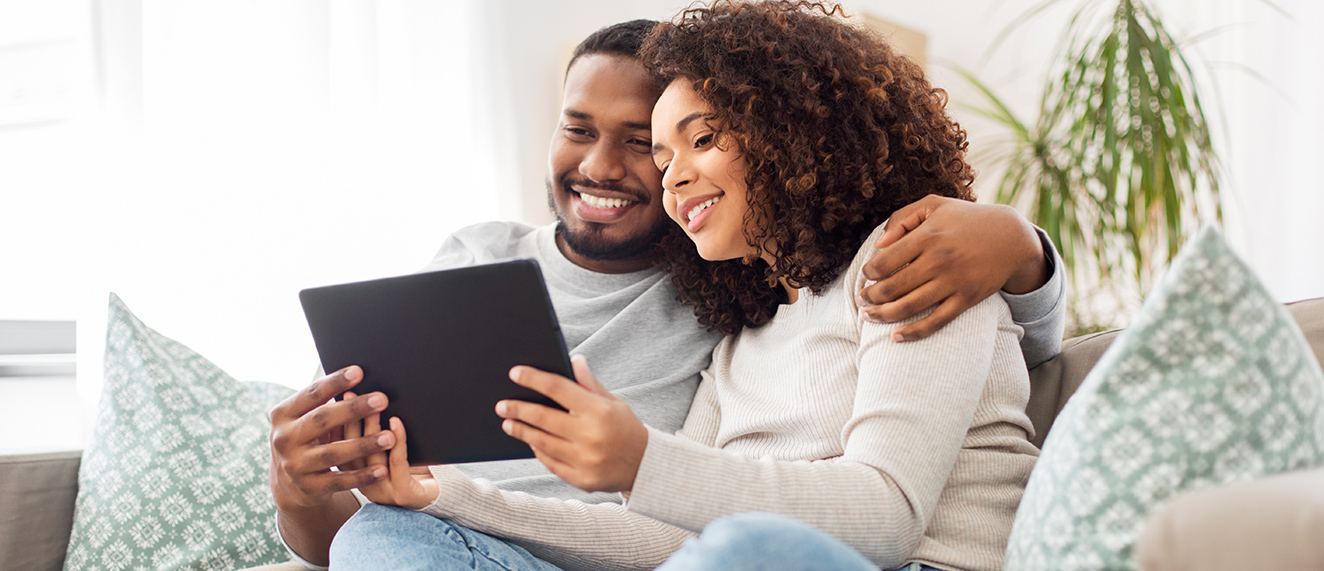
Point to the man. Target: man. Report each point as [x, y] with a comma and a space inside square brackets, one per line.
[620, 312]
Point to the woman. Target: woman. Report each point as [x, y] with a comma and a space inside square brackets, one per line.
[787, 137]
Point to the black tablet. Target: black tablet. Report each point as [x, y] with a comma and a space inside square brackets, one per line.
[440, 345]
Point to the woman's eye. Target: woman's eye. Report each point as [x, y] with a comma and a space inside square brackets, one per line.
[703, 141]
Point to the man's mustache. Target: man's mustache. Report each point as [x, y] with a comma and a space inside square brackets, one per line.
[643, 196]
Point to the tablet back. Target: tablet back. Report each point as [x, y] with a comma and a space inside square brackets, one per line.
[440, 345]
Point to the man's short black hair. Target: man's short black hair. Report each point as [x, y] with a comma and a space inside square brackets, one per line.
[623, 39]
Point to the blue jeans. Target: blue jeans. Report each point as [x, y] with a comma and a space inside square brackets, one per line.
[758, 541]
[383, 537]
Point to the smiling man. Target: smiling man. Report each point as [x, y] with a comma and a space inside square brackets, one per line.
[621, 312]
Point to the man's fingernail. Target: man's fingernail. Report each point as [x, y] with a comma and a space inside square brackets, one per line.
[507, 425]
[377, 401]
[379, 472]
[898, 337]
[501, 408]
[514, 373]
[384, 440]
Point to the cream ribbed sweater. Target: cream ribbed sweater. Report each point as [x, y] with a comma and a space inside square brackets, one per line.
[913, 451]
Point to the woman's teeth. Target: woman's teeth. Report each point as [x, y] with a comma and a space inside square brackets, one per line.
[700, 207]
[599, 202]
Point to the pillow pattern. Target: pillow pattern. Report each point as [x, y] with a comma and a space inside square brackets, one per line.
[176, 474]
[1212, 383]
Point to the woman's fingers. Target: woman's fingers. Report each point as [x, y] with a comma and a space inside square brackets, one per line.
[539, 440]
[372, 427]
[565, 392]
[585, 377]
[545, 418]
[352, 431]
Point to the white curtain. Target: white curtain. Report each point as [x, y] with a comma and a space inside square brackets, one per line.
[206, 159]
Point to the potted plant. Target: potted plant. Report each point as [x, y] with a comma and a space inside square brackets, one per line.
[1119, 168]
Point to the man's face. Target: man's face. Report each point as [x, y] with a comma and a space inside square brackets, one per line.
[602, 183]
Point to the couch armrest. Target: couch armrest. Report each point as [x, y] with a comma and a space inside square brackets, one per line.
[37, 493]
[1270, 523]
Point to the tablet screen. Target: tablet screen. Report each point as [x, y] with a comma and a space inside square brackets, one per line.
[440, 345]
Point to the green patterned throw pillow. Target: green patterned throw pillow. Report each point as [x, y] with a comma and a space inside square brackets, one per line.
[1212, 383]
[176, 474]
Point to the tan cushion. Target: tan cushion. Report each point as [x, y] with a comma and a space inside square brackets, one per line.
[36, 508]
[1269, 523]
[1054, 381]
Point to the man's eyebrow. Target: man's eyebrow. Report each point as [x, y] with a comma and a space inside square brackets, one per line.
[634, 125]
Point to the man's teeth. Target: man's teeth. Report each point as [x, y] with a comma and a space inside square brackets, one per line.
[700, 207]
[600, 202]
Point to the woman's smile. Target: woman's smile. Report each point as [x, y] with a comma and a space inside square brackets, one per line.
[702, 172]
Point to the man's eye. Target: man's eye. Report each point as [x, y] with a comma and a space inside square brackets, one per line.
[642, 143]
[578, 131]
[703, 141]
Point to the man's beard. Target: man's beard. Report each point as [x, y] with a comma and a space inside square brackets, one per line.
[590, 242]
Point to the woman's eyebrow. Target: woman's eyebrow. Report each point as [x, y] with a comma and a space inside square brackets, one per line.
[681, 126]
[683, 123]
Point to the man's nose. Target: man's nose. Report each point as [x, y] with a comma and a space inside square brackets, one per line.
[603, 163]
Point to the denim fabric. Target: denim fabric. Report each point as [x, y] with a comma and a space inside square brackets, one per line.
[384, 537]
[760, 541]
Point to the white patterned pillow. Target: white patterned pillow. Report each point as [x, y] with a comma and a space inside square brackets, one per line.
[176, 474]
[1212, 383]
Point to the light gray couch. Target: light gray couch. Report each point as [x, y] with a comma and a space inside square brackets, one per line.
[1271, 523]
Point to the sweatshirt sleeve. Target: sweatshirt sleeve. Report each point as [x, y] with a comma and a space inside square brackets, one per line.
[914, 403]
[1042, 312]
[567, 533]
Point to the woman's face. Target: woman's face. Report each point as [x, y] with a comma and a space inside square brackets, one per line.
[704, 178]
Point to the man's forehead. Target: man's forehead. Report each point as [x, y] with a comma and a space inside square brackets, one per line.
[599, 83]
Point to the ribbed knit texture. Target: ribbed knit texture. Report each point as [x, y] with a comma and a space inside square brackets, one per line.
[915, 451]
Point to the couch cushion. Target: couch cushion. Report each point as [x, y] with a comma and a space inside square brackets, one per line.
[1270, 523]
[1054, 381]
[175, 475]
[36, 509]
[1212, 383]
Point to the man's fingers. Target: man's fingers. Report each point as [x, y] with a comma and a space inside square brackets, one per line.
[540, 441]
[346, 455]
[910, 305]
[347, 480]
[545, 418]
[895, 286]
[317, 393]
[941, 316]
[565, 392]
[894, 257]
[902, 221]
[338, 413]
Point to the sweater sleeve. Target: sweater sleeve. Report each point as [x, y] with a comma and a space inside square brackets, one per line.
[914, 403]
[1042, 312]
[567, 533]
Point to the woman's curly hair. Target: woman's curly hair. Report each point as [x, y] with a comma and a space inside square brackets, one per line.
[837, 129]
